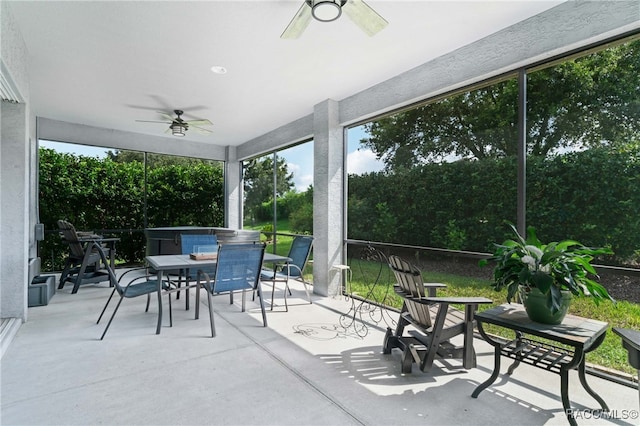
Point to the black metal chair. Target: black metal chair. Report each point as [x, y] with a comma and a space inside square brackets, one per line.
[145, 284]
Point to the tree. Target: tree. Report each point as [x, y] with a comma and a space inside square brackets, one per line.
[583, 103]
[301, 211]
[258, 182]
[159, 160]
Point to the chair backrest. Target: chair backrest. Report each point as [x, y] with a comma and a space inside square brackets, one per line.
[70, 236]
[299, 254]
[238, 267]
[408, 276]
[189, 241]
[410, 281]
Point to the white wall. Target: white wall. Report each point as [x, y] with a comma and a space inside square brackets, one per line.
[16, 240]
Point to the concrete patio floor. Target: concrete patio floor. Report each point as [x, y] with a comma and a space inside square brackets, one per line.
[303, 369]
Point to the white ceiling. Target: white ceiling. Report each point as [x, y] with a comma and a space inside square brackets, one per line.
[107, 64]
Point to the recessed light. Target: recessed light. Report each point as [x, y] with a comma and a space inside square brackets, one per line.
[218, 70]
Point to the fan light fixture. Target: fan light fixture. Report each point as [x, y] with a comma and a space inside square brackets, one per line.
[358, 11]
[326, 10]
[178, 130]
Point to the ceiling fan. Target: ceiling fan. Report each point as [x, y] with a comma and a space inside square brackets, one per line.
[178, 126]
[329, 10]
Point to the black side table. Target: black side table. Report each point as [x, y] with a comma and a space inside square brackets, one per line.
[578, 335]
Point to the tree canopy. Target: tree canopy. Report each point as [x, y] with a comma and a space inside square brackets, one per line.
[258, 182]
[582, 103]
[158, 160]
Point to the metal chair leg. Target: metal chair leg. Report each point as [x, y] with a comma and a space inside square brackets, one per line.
[307, 291]
[273, 292]
[107, 304]
[179, 282]
[210, 301]
[111, 319]
[264, 314]
[170, 311]
[286, 288]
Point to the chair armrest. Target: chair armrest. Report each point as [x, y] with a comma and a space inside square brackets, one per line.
[434, 285]
[144, 277]
[132, 270]
[289, 265]
[430, 289]
[456, 300]
[202, 275]
[267, 274]
[275, 263]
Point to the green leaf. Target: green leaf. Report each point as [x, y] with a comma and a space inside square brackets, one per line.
[554, 299]
[542, 281]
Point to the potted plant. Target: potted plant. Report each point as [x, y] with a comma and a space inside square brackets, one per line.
[545, 273]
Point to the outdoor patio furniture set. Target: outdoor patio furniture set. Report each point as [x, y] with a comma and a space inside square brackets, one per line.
[219, 268]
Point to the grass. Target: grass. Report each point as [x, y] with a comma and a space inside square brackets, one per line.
[610, 354]
[282, 225]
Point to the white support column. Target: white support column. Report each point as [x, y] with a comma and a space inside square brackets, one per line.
[328, 177]
[14, 208]
[233, 189]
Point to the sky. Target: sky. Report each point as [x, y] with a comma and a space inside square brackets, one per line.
[299, 158]
[71, 148]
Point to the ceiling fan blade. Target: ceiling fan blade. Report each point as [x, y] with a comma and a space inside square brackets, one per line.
[199, 123]
[166, 116]
[200, 130]
[153, 121]
[364, 17]
[299, 22]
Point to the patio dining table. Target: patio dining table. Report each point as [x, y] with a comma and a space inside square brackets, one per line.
[164, 263]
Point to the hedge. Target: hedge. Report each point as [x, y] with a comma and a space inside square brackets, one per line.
[592, 196]
[102, 195]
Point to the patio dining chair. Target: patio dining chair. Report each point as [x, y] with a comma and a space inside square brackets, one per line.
[299, 254]
[140, 285]
[83, 263]
[237, 269]
[435, 321]
[191, 243]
